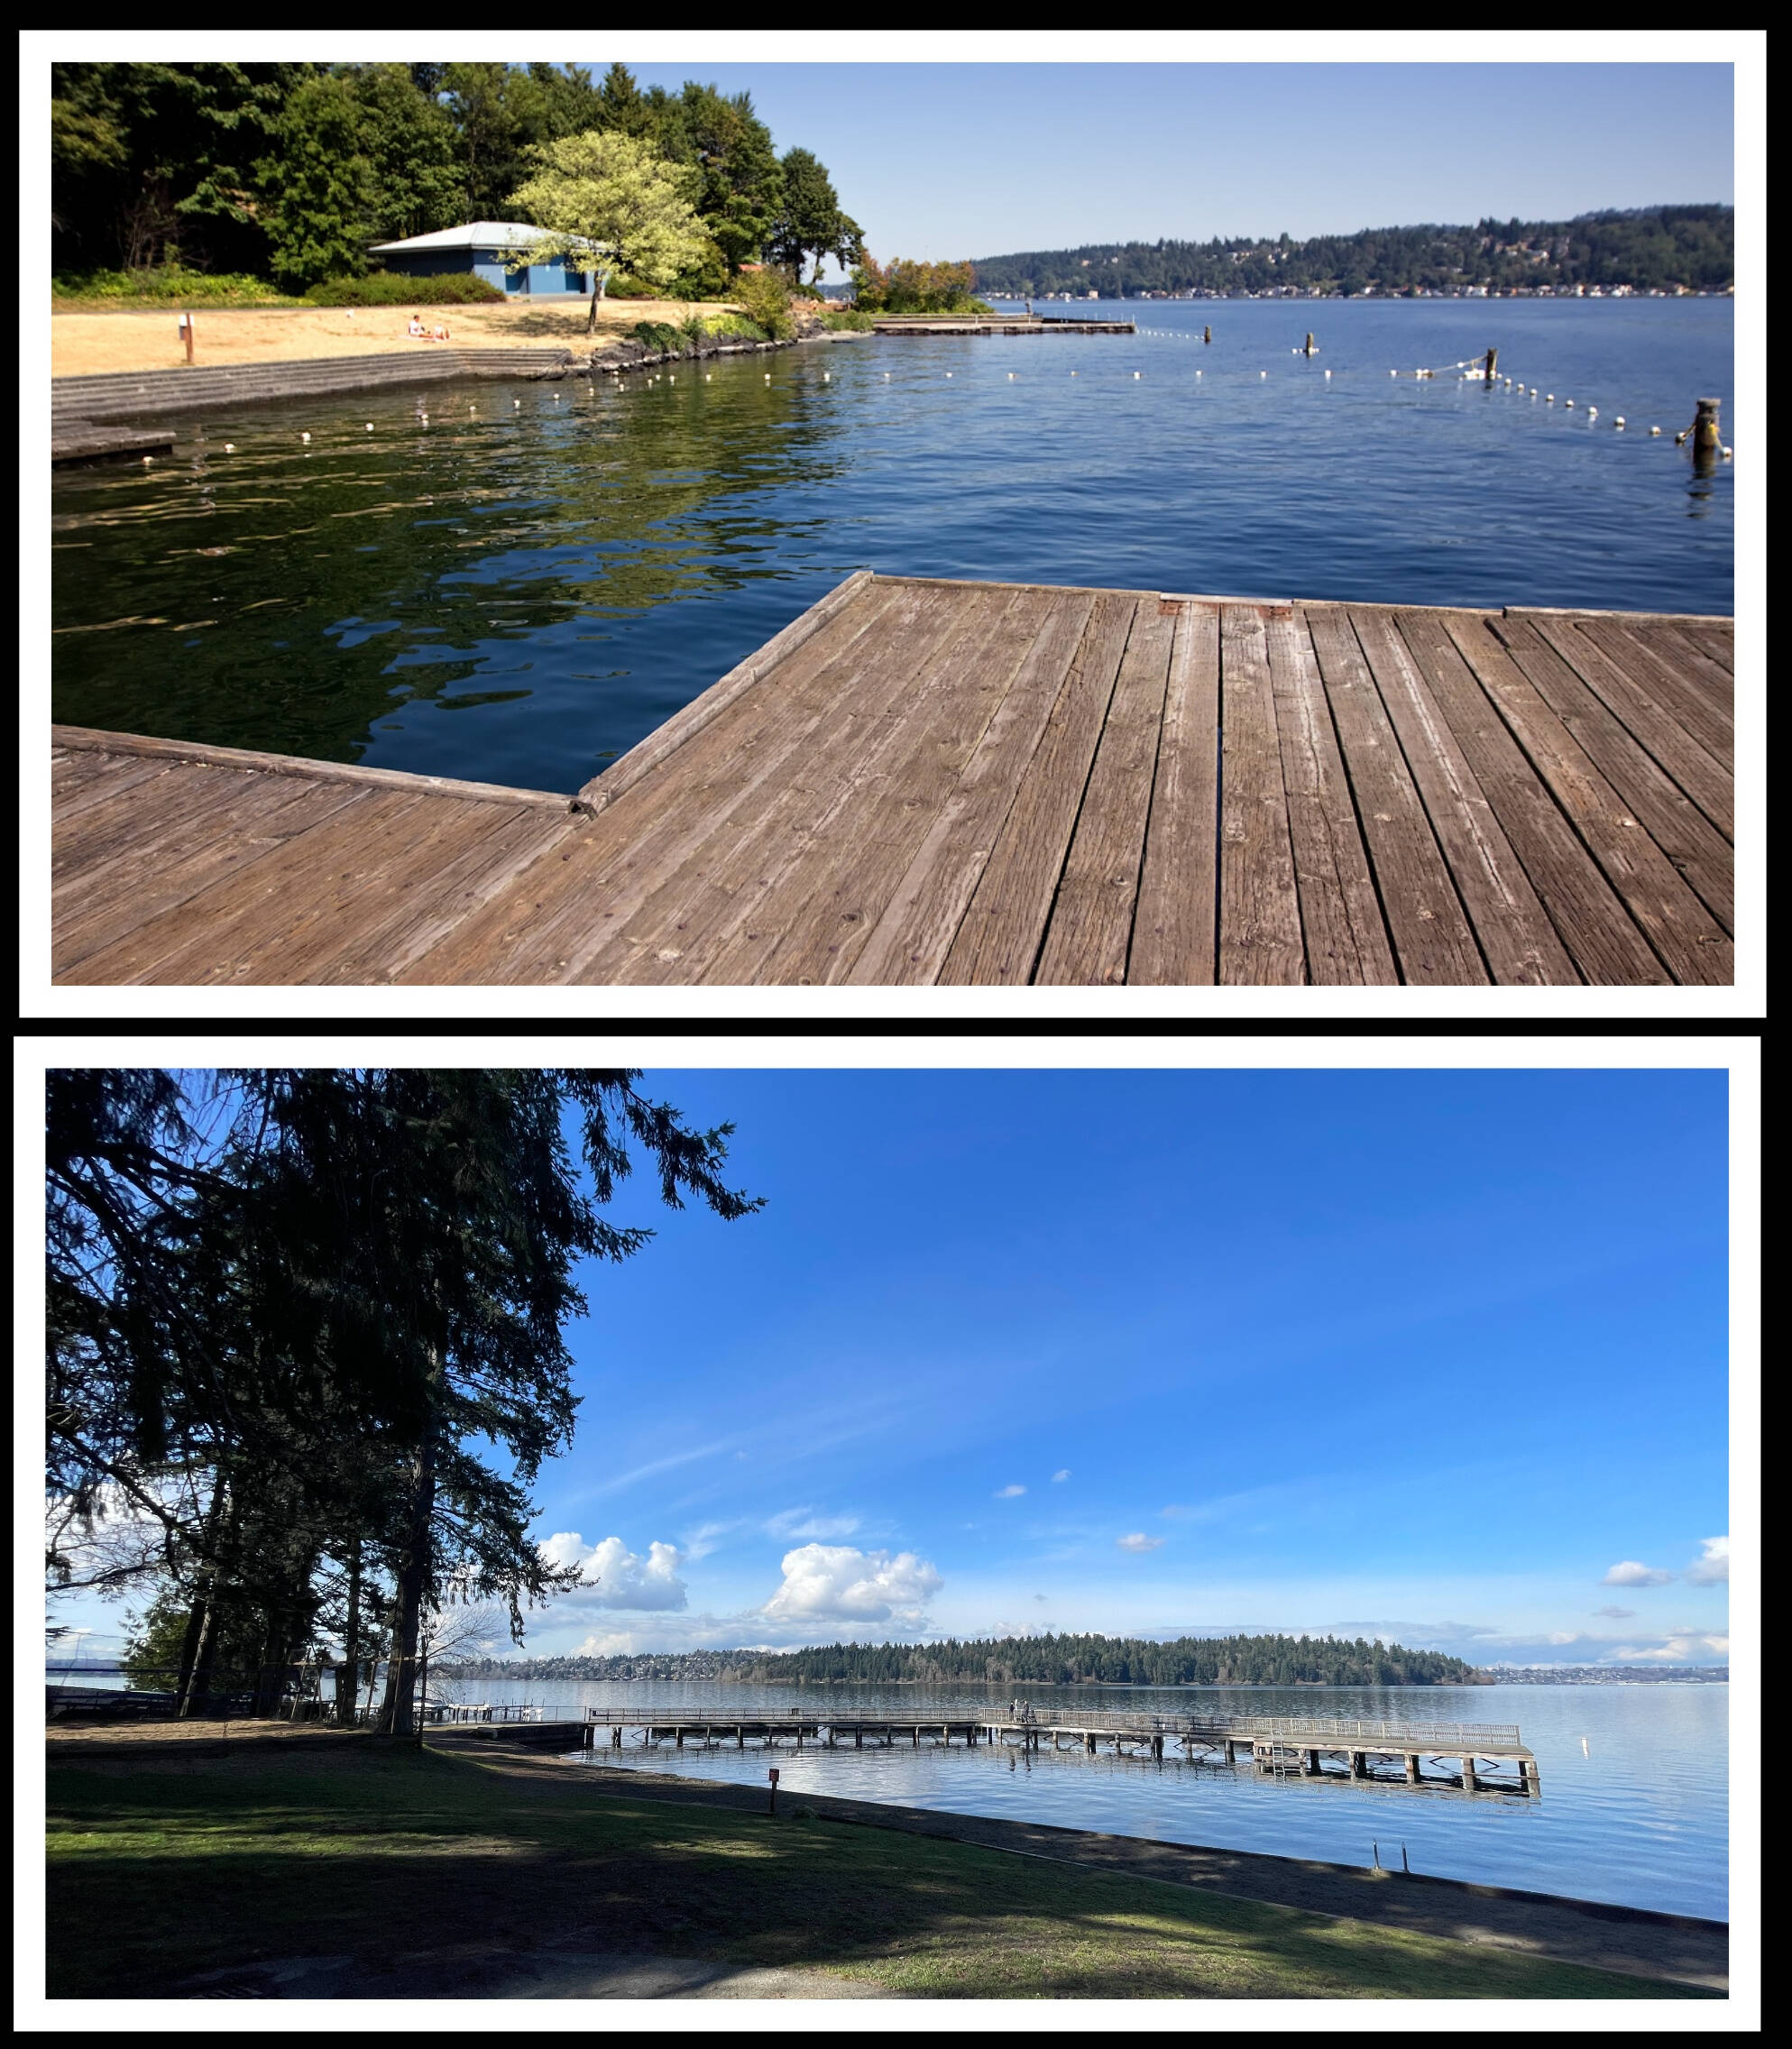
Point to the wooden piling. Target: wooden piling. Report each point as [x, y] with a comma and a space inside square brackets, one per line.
[1411, 1768]
[1707, 436]
[1310, 1764]
[1309, 349]
[1469, 1782]
[1207, 334]
[1359, 1764]
[1493, 359]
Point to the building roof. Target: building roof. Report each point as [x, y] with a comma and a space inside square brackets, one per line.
[475, 234]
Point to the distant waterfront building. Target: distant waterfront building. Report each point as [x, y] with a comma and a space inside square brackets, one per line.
[475, 248]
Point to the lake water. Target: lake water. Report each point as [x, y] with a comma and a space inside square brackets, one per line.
[520, 589]
[1639, 1817]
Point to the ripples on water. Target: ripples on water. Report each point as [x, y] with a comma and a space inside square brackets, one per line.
[520, 590]
[1640, 1819]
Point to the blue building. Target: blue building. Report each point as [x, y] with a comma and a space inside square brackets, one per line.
[475, 248]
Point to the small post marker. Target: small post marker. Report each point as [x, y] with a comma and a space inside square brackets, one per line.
[186, 333]
[772, 1775]
[1403, 1864]
[1492, 358]
[1377, 1848]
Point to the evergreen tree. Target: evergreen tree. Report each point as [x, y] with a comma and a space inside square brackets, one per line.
[317, 189]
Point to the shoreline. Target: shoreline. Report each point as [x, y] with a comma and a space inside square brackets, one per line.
[1638, 1942]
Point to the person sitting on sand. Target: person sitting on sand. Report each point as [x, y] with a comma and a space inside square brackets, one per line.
[438, 335]
[417, 331]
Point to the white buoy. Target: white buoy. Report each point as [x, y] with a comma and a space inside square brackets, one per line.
[1520, 387]
[827, 377]
[1549, 398]
[1328, 374]
[370, 426]
[1135, 373]
[305, 437]
[1654, 431]
[1593, 412]
[1583, 1751]
[1011, 377]
[230, 446]
[148, 460]
[1728, 452]
[1197, 373]
[1569, 403]
[1393, 373]
[1263, 373]
[517, 404]
[1619, 421]
[706, 376]
[949, 373]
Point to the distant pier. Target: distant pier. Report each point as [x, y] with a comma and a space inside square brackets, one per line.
[1000, 324]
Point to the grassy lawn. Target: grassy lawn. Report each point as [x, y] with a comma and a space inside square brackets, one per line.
[158, 1870]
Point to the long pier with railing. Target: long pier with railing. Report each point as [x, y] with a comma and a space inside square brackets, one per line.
[1473, 1755]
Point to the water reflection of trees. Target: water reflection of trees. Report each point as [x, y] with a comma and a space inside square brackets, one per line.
[360, 575]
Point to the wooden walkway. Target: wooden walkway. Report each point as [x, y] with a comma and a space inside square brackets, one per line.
[923, 782]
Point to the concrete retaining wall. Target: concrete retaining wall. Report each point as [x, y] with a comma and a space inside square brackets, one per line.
[125, 395]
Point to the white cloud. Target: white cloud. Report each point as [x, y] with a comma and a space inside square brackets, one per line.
[866, 1586]
[1138, 1542]
[1007, 1493]
[623, 1579]
[1713, 1565]
[1677, 1650]
[805, 1522]
[1627, 1572]
[1063, 1474]
[704, 1538]
[1616, 1615]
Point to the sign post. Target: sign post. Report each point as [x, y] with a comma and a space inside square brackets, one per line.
[772, 1775]
[185, 332]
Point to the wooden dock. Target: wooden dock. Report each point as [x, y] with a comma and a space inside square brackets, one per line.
[1315, 1746]
[1000, 324]
[941, 782]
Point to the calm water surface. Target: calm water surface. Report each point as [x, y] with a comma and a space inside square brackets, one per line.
[1638, 1818]
[520, 589]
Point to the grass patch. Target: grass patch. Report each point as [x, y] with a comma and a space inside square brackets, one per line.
[160, 1869]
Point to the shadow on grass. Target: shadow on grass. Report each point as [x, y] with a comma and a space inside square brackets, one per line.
[388, 1856]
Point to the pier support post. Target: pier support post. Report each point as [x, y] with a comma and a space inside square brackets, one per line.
[1157, 1746]
[1412, 1767]
[1469, 1781]
[1528, 1777]
[1492, 358]
[859, 1738]
[1309, 349]
[1359, 1764]
[740, 1737]
[680, 1740]
[1707, 438]
[1311, 1766]
[1207, 334]
[1231, 1751]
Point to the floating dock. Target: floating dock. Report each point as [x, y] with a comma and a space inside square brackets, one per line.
[83, 441]
[924, 781]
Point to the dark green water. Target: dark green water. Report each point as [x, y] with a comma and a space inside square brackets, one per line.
[520, 589]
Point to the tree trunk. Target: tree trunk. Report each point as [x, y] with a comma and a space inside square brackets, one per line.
[412, 1581]
[349, 1674]
[199, 1617]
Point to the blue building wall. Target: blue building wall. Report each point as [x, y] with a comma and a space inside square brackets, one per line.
[554, 278]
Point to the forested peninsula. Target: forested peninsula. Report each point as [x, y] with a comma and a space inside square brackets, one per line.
[1056, 1660]
[1663, 249]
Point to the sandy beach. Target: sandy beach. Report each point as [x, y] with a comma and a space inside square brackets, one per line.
[83, 343]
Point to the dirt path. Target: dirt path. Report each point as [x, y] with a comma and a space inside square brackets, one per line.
[84, 343]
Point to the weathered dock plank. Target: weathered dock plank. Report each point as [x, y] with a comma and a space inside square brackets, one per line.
[937, 780]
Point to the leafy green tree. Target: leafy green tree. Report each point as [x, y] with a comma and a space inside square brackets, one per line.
[568, 103]
[625, 108]
[498, 114]
[318, 187]
[414, 185]
[609, 203]
[809, 221]
[740, 186]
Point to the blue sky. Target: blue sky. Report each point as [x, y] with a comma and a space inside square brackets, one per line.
[943, 161]
[1439, 1356]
